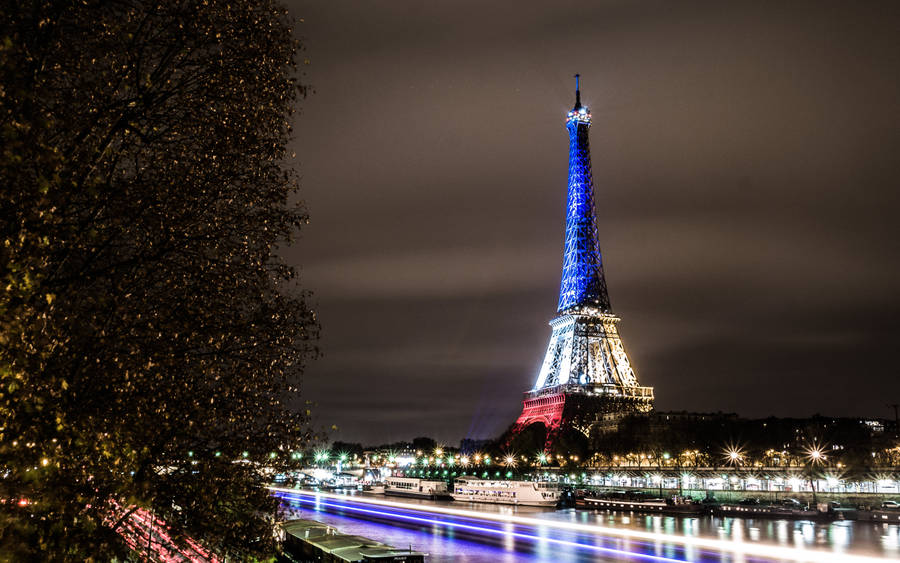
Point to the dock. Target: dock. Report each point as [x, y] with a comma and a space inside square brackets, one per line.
[307, 541]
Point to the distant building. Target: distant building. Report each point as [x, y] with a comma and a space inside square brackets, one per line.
[470, 446]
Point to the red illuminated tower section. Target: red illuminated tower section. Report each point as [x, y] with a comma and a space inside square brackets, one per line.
[586, 376]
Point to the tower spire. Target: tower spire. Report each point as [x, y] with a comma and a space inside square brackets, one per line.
[577, 94]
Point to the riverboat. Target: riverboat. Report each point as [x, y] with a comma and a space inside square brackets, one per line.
[786, 508]
[881, 515]
[652, 505]
[412, 487]
[767, 511]
[310, 540]
[527, 493]
[373, 489]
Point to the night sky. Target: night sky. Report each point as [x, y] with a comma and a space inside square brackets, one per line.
[745, 159]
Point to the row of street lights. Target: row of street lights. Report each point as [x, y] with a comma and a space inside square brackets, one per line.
[733, 455]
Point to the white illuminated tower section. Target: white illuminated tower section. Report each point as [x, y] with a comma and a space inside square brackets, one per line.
[586, 373]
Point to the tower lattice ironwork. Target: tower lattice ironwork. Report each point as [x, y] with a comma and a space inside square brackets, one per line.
[586, 376]
[582, 283]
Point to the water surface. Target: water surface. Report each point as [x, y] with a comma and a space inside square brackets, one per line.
[448, 539]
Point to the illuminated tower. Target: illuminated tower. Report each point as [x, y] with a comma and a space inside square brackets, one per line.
[586, 375]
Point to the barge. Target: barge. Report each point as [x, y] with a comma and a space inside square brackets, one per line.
[309, 540]
[652, 505]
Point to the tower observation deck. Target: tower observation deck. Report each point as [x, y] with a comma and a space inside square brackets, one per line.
[586, 376]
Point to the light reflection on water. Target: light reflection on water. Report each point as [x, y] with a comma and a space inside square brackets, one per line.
[447, 544]
[890, 539]
[861, 538]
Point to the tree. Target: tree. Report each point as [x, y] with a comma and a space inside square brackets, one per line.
[150, 337]
[424, 443]
[349, 448]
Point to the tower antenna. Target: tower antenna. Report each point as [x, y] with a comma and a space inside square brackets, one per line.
[577, 93]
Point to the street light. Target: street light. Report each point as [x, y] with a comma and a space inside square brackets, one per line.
[815, 454]
[657, 478]
[734, 454]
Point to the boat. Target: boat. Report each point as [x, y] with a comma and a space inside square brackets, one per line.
[786, 508]
[373, 489]
[880, 515]
[649, 505]
[412, 487]
[311, 540]
[527, 493]
[778, 512]
[634, 503]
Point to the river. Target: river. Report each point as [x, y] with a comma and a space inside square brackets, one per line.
[545, 537]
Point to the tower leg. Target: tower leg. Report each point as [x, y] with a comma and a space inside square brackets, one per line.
[548, 410]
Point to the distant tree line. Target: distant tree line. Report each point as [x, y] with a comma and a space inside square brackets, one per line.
[714, 440]
[681, 439]
[421, 443]
[685, 440]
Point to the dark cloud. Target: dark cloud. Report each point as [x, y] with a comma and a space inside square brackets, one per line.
[746, 177]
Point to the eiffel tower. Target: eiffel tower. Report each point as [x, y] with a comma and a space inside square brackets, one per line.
[586, 377]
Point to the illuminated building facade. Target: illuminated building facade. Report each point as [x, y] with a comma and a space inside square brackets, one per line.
[586, 374]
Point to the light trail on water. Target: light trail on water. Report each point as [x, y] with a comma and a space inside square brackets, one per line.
[422, 514]
[490, 531]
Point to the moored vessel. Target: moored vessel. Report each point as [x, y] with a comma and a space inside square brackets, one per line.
[528, 493]
[671, 506]
[412, 487]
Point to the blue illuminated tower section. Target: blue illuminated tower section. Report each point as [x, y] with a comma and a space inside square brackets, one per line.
[582, 277]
